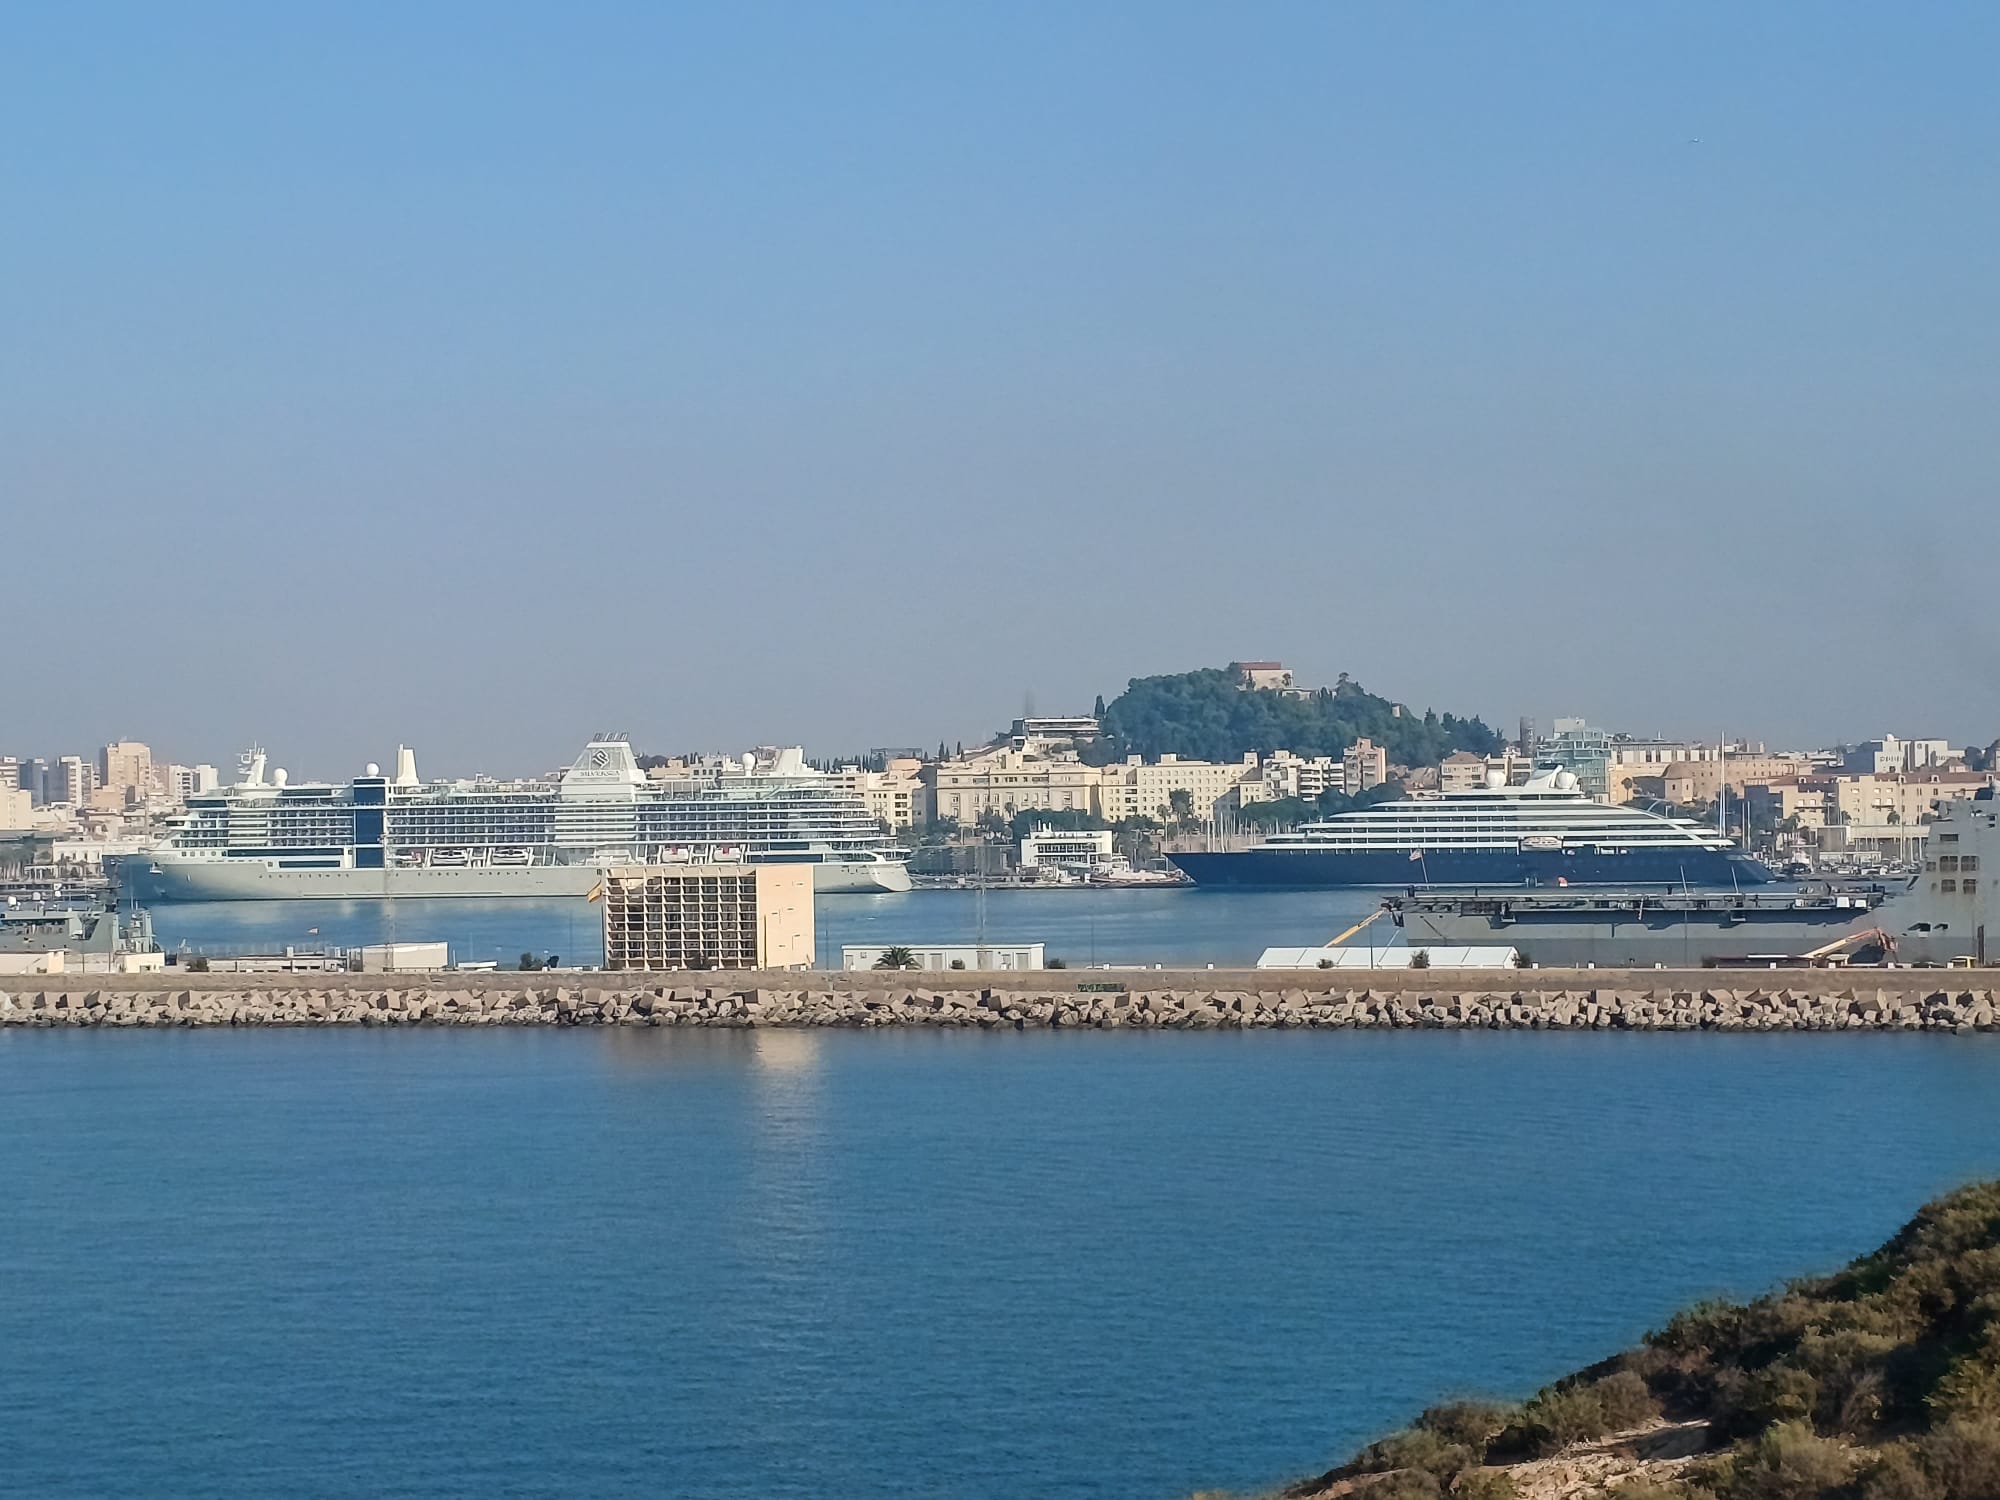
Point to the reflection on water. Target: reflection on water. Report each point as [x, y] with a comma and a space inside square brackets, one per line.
[784, 1052]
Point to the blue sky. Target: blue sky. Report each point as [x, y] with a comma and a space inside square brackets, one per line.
[478, 376]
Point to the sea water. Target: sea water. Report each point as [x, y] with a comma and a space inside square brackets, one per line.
[757, 1265]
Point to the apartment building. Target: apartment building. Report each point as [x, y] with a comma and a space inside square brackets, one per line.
[1701, 781]
[896, 795]
[1282, 774]
[1365, 765]
[178, 783]
[1902, 799]
[1462, 771]
[1890, 754]
[1784, 798]
[1006, 781]
[125, 770]
[76, 779]
[17, 810]
[1141, 790]
[708, 917]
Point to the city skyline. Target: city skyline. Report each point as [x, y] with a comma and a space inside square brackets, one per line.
[304, 763]
[475, 378]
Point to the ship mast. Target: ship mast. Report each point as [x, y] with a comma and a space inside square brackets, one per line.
[1722, 784]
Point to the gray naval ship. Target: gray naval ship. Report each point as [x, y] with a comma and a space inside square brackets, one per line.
[1941, 915]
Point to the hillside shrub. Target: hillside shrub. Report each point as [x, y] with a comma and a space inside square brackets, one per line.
[1786, 1462]
[1472, 1423]
[1970, 1385]
[1576, 1412]
[1776, 1393]
[1419, 1448]
[1847, 1365]
[1558, 1417]
[1963, 1456]
[1625, 1400]
[1897, 1473]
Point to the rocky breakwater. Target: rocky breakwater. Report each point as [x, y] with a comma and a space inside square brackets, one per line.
[1900, 1003]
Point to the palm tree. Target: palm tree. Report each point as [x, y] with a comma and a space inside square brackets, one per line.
[897, 958]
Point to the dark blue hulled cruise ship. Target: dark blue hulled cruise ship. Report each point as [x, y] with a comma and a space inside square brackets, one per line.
[1543, 833]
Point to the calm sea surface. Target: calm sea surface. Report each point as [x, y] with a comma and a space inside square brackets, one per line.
[783, 1264]
[1174, 926]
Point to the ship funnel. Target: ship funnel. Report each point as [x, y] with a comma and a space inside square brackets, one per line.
[406, 766]
[253, 767]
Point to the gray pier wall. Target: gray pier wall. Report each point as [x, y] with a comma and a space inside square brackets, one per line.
[1959, 1001]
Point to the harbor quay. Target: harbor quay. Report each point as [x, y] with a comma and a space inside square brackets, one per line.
[1905, 1000]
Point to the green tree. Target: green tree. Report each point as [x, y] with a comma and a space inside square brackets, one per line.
[896, 958]
[1208, 715]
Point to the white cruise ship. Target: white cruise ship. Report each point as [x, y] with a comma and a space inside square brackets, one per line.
[269, 838]
[1546, 832]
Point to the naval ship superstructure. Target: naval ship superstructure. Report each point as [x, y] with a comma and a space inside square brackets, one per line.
[1947, 912]
[269, 838]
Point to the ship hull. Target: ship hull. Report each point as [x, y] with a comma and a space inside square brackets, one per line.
[162, 880]
[1332, 869]
[859, 876]
[1666, 940]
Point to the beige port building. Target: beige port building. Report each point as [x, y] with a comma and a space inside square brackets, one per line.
[705, 916]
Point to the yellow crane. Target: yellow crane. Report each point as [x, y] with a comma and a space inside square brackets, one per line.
[1336, 942]
[1826, 951]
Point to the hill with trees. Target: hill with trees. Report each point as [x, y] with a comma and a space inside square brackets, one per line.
[1880, 1382]
[1208, 715]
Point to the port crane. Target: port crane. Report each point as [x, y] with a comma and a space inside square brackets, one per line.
[1336, 942]
[1828, 953]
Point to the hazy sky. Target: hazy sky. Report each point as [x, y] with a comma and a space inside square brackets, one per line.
[481, 375]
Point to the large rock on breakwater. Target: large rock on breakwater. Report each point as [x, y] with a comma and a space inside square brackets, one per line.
[627, 1000]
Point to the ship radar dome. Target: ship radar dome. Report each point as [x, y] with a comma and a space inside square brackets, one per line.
[373, 769]
[1566, 781]
[280, 776]
[1496, 780]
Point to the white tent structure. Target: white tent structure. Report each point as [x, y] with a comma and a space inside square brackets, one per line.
[1440, 957]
